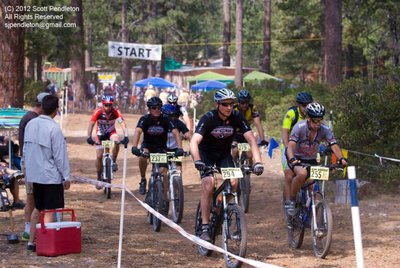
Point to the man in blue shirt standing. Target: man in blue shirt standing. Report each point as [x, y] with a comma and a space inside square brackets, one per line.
[46, 162]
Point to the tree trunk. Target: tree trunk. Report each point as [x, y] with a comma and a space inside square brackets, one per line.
[11, 59]
[126, 63]
[226, 58]
[394, 37]
[266, 57]
[333, 42]
[88, 50]
[364, 67]
[321, 74]
[144, 70]
[153, 68]
[31, 67]
[78, 58]
[349, 61]
[239, 45]
[39, 67]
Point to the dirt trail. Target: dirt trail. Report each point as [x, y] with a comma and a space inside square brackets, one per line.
[267, 239]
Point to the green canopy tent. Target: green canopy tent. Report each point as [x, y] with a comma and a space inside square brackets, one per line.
[211, 76]
[9, 120]
[259, 76]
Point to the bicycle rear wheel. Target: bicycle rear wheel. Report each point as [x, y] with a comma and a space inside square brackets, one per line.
[158, 203]
[197, 230]
[245, 192]
[107, 190]
[234, 233]
[322, 233]
[177, 203]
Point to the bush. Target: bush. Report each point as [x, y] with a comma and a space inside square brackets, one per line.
[31, 89]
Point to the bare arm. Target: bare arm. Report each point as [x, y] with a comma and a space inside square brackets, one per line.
[90, 128]
[290, 149]
[253, 144]
[177, 137]
[124, 127]
[136, 136]
[194, 146]
[260, 130]
[285, 136]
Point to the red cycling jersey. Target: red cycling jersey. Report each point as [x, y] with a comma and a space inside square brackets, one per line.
[106, 122]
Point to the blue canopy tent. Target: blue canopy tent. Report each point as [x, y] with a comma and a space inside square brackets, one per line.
[9, 120]
[155, 82]
[209, 85]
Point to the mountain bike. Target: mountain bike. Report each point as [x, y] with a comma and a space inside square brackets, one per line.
[175, 189]
[244, 183]
[108, 164]
[226, 218]
[313, 211]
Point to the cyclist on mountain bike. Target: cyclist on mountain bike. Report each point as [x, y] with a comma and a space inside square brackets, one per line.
[106, 117]
[303, 147]
[293, 115]
[211, 145]
[180, 110]
[250, 113]
[155, 127]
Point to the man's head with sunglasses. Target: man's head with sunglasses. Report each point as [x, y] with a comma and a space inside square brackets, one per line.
[303, 99]
[244, 99]
[225, 100]
[154, 104]
[315, 115]
[107, 102]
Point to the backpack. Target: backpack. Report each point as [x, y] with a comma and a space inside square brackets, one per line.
[296, 115]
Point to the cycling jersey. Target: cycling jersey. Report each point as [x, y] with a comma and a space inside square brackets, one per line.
[249, 114]
[290, 118]
[306, 149]
[218, 134]
[106, 122]
[171, 141]
[180, 111]
[155, 132]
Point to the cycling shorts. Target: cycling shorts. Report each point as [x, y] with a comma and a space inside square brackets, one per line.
[155, 150]
[112, 136]
[220, 162]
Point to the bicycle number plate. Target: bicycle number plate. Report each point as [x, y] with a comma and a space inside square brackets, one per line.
[231, 173]
[158, 158]
[319, 173]
[243, 147]
[176, 158]
[107, 144]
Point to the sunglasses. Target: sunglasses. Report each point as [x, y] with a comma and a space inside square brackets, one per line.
[243, 102]
[226, 104]
[304, 105]
[317, 121]
[155, 108]
[107, 105]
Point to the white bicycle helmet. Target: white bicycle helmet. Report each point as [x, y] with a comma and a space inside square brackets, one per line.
[172, 98]
[224, 94]
[315, 110]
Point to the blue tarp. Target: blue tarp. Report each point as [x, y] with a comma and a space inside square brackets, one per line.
[155, 82]
[209, 85]
[10, 117]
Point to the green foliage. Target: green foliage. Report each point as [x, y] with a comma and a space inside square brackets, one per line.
[31, 90]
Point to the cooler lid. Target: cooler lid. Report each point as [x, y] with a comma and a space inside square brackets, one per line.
[60, 224]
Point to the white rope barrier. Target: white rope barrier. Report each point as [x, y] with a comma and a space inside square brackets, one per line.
[175, 226]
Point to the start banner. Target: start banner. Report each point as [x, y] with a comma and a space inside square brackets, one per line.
[134, 51]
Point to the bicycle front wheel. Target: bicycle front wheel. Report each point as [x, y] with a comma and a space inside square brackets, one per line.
[107, 190]
[234, 234]
[296, 229]
[245, 192]
[322, 232]
[178, 199]
[158, 203]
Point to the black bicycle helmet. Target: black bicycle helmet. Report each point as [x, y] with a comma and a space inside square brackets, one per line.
[304, 98]
[315, 110]
[224, 94]
[154, 101]
[244, 96]
[168, 109]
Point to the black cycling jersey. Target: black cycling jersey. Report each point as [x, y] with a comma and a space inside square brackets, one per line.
[155, 131]
[218, 134]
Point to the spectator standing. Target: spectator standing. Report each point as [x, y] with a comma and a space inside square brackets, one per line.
[46, 162]
[30, 202]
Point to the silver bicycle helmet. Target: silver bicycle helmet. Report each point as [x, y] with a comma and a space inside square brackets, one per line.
[224, 94]
[315, 110]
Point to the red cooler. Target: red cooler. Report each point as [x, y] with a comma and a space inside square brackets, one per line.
[58, 238]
